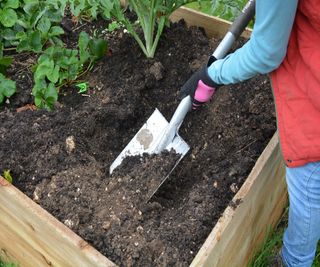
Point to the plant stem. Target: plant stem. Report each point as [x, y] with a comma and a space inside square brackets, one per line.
[135, 36]
[10, 49]
[159, 32]
[148, 34]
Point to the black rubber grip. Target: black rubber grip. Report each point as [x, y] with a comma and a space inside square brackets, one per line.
[243, 19]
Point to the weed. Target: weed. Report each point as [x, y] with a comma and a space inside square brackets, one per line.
[272, 245]
[7, 176]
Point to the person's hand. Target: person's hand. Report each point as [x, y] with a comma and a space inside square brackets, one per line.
[200, 87]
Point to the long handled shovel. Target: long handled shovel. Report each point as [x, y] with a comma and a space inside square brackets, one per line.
[157, 134]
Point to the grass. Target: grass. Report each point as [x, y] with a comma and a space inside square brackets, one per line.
[272, 245]
[6, 264]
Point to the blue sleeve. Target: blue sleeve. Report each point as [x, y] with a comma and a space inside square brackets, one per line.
[266, 48]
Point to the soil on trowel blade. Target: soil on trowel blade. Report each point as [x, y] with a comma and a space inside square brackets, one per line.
[61, 159]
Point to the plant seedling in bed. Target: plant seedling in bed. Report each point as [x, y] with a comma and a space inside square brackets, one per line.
[152, 17]
[83, 87]
[7, 176]
[58, 66]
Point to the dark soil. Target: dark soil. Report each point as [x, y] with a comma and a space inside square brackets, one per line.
[61, 159]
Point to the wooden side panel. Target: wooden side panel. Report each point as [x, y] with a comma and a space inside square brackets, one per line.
[239, 232]
[32, 237]
[213, 26]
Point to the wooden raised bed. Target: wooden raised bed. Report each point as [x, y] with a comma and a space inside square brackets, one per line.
[30, 236]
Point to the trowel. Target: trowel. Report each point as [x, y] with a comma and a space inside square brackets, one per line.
[157, 134]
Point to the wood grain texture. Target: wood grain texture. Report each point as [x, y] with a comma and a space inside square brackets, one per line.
[213, 26]
[32, 237]
[239, 232]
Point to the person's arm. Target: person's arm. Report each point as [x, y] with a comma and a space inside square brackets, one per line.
[266, 48]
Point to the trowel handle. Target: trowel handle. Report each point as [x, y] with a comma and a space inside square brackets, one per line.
[180, 113]
[235, 30]
[242, 21]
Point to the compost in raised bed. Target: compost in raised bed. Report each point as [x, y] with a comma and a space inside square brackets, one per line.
[61, 159]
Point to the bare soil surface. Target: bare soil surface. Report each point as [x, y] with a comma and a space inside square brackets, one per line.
[61, 159]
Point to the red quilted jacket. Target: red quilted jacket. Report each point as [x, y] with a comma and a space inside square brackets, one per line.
[296, 85]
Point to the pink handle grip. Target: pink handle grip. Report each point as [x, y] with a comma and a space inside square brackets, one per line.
[203, 93]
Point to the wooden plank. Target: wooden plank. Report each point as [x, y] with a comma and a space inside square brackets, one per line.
[32, 237]
[213, 26]
[240, 231]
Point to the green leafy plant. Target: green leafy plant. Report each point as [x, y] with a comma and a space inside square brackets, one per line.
[58, 66]
[35, 23]
[34, 26]
[7, 88]
[83, 87]
[5, 61]
[7, 176]
[39, 22]
[8, 14]
[225, 9]
[88, 8]
[152, 17]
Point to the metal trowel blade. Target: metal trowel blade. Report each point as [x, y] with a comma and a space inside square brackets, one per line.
[147, 140]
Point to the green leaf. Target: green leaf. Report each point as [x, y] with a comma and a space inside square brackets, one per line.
[83, 43]
[9, 87]
[40, 10]
[56, 31]
[8, 17]
[98, 48]
[107, 7]
[54, 75]
[5, 62]
[7, 176]
[21, 35]
[57, 41]
[38, 92]
[23, 23]
[83, 87]
[76, 7]
[12, 4]
[45, 68]
[93, 12]
[9, 34]
[51, 96]
[31, 7]
[38, 101]
[23, 46]
[84, 39]
[44, 25]
[38, 87]
[114, 25]
[35, 41]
